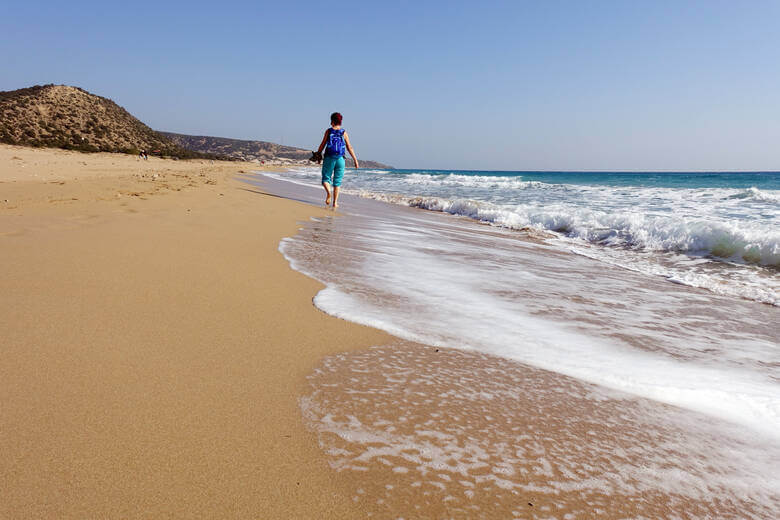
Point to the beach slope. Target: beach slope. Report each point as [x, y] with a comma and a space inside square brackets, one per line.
[155, 343]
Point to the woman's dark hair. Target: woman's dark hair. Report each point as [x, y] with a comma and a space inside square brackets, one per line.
[335, 118]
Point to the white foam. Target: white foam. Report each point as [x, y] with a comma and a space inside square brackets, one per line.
[619, 226]
[743, 283]
[713, 221]
[736, 241]
[729, 394]
[455, 286]
[527, 436]
[755, 193]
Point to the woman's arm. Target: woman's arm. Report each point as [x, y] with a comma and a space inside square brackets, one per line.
[350, 150]
[324, 140]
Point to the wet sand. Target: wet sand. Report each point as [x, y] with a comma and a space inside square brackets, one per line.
[424, 432]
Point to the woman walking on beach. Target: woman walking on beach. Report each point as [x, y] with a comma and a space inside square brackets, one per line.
[335, 142]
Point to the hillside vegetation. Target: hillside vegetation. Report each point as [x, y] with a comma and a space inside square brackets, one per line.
[61, 116]
[69, 117]
[253, 150]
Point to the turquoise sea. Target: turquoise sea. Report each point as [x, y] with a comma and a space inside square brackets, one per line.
[694, 180]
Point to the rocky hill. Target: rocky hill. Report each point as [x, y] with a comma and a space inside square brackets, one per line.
[253, 150]
[69, 117]
[60, 116]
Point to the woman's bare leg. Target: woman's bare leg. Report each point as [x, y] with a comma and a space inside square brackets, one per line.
[327, 190]
[336, 196]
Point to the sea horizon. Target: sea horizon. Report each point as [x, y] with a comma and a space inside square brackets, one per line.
[221, 298]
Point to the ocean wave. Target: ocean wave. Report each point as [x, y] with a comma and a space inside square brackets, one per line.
[453, 180]
[694, 222]
[742, 285]
[450, 183]
[734, 241]
[756, 194]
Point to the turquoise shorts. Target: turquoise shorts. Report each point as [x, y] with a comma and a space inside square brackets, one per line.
[333, 169]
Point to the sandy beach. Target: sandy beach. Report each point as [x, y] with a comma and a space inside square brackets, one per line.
[162, 359]
[155, 344]
[547, 287]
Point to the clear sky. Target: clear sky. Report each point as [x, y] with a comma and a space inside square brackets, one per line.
[516, 85]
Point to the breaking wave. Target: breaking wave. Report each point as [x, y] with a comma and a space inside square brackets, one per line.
[734, 241]
[720, 234]
[756, 194]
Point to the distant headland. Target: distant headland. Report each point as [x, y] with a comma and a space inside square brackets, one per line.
[61, 116]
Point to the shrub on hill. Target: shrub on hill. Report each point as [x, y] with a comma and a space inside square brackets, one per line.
[71, 118]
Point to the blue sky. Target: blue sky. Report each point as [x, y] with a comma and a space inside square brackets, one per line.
[542, 85]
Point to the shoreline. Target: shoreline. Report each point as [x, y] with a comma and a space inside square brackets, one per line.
[709, 254]
[473, 432]
[156, 344]
[165, 359]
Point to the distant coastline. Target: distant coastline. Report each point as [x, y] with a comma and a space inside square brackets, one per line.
[254, 151]
[71, 118]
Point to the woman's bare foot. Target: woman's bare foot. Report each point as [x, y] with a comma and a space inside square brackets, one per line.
[335, 205]
[327, 192]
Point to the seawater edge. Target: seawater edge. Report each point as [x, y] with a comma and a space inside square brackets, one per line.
[444, 281]
[381, 413]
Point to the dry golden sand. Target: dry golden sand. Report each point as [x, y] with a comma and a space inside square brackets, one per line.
[154, 344]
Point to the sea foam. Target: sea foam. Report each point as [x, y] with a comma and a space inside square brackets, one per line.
[445, 281]
[734, 226]
[449, 283]
[735, 241]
